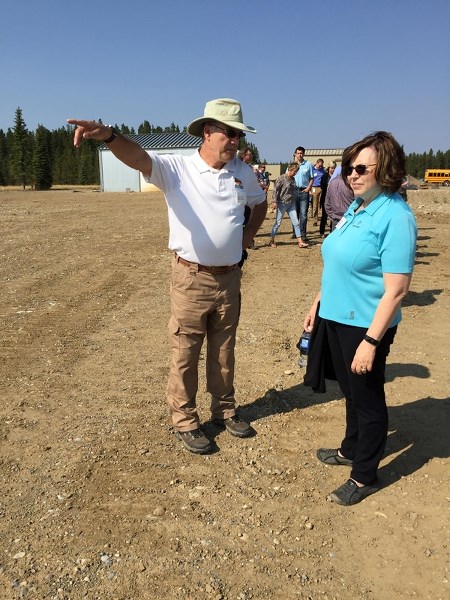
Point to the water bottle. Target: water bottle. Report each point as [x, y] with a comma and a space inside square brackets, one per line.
[304, 348]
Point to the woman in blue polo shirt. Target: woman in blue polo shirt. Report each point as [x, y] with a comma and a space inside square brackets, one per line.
[367, 267]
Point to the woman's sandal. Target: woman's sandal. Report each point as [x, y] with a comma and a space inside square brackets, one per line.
[303, 245]
[272, 245]
[330, 456]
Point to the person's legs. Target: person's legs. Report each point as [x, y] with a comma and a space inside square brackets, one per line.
[323, 218]
[304, 200]
[291, 210]
[315, 204]
[278, 218]
[190, 304]
[366, 411]
[348, 447]
[221, 328]
[297, 211]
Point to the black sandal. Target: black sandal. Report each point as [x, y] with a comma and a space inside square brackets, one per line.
[330, 456]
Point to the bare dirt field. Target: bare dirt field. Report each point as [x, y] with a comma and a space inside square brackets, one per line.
[100, 501]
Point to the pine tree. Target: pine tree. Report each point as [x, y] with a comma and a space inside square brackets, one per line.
[88, 172]
[4, 173]
[42, 161]
[21, 151]
[439, 159]
[172, 128]
[447, 159]
[145, 127]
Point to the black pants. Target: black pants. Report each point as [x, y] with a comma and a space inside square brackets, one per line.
[366, 411]
[323, 219]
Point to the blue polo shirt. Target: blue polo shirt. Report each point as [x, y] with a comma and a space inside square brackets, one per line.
[378, 239]
[318, 174]
[304, 174]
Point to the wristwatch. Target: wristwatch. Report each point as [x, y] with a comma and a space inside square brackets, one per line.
[112, 137]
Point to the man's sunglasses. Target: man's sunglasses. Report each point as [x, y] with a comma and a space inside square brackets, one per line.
[360, 169]
[231, 133]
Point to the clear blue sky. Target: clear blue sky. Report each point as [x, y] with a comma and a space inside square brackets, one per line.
[316, 74]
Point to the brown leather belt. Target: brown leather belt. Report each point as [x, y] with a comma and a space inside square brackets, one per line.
[213, 270]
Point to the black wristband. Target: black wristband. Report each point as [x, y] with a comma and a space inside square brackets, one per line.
[112, 137]
[371, 340]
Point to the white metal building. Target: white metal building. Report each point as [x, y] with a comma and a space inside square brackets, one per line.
[117, 177]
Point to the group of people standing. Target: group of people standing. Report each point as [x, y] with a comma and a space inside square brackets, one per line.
[301, 186]
[368, 262]
[303, 189]
[291, 195]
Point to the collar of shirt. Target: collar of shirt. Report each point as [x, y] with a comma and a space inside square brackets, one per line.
[372, 207]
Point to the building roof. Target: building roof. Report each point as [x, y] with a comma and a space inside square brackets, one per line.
[163, 141]
[323, 151]
[175, 141]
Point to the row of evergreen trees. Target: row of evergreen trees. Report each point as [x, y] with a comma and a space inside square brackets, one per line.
[44, 158]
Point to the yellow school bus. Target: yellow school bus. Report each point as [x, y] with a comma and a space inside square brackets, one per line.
[439, 176]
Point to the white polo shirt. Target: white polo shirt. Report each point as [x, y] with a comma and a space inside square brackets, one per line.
[205, 206]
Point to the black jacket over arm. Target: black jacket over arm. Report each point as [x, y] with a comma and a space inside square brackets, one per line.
[320, 363]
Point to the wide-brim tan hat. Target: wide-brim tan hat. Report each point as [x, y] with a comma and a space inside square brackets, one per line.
[222, 110]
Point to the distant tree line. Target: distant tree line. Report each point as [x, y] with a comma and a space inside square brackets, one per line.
[44, 158]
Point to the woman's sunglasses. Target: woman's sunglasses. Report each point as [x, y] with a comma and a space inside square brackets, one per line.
[360, 169]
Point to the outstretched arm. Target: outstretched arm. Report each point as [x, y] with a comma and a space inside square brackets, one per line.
[127, 151]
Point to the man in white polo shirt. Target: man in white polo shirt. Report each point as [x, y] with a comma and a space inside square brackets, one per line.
[206, 194]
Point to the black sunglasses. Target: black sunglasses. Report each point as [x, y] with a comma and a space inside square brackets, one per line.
[231, 133]
[360, 169]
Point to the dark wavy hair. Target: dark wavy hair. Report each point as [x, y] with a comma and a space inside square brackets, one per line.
[390, 170]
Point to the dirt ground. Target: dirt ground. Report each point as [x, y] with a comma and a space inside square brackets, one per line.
[100, 501]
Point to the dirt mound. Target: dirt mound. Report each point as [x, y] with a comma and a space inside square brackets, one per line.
[430, 201]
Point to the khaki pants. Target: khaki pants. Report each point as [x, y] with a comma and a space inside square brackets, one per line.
[315, 193]
[202, 305]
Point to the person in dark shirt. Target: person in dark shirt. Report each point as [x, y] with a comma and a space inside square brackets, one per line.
[338, 199]
[263, 177]
[324, 186]
[316, 190]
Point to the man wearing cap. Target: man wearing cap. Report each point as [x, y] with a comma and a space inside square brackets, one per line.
[206, 194]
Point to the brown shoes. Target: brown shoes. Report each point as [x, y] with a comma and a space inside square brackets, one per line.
[235, 426]
[195, 441]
